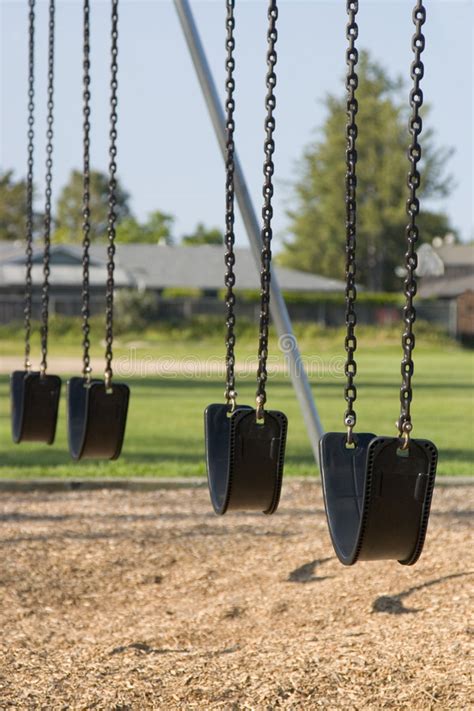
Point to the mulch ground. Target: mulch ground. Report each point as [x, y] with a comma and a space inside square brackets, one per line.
[126, 600]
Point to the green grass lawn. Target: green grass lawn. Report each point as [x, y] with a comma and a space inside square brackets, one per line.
[165, 426]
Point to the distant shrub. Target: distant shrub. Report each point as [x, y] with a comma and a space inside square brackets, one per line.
[382, 298]
[133, 310]
[178, 293]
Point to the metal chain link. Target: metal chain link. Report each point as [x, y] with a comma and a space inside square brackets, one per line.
[412, 232]
[86, 227]
[350, 368]
[229, 280]
[48, 192]
[29, 182]
[267, 211]
[112, 215]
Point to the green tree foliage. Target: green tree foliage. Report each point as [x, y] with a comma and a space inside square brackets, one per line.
[69, 207]
[203, 235]
[156, 230]
[160, 225]
[317, 220]
[130, 230]
[13, 208]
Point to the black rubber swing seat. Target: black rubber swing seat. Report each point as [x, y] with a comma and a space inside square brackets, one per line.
[244, 458]
[34, 406]
[377, 496]
[96, 418]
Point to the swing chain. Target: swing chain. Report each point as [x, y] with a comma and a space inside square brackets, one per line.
[267, 211]
[412, 231]
[86, 226]
[48, 192]
[229, 279]
[29, 182]
[350, 368]
[112, 215]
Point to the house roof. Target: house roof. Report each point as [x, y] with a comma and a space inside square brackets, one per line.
[430, 263]
[202, 267]
[433, 261]
[436, 267]
[156, 267]
[66, 267]
[456, 254]
[446, 287]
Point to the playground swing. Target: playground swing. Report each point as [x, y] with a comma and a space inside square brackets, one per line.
[245, 446]
[35, 394]
[97, 409]
[378, 490]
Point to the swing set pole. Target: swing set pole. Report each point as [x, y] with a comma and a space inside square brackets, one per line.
[278, 308]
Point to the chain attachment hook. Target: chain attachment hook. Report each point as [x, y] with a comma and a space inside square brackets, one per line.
[404, 432]
[260, 409]
[231, 398]
[349, 422]
[108, 379]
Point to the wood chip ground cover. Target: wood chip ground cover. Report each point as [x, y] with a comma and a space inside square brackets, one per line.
[127, 600]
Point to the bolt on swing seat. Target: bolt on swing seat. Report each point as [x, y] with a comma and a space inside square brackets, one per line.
[97, 409]
[245, 446]
[34, 406]
[378, 490]
[34, 395]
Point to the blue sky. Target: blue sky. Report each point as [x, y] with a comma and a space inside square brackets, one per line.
[168, 157]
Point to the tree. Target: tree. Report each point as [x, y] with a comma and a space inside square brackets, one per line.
[204, 235]
[13, 208]
[159, 226]
[317, 222]
[69, 207]
[156, 230]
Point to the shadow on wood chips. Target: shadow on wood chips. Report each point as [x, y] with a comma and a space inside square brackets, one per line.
[145, 600]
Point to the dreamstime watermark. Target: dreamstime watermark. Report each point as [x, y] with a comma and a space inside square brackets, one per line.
[288, 361]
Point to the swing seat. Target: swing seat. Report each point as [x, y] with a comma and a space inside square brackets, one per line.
[377, 496]
[34, 406]
[244, 458]
[96, 418]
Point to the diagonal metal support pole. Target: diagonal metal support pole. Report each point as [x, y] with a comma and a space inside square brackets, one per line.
[277, 304]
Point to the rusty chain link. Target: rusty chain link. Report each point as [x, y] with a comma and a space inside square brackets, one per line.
[29, 183]
[412, 230]
[350, 368]
[48, 192]
[86, 226]
[112, 215]
[229, 280]
[267, 211]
